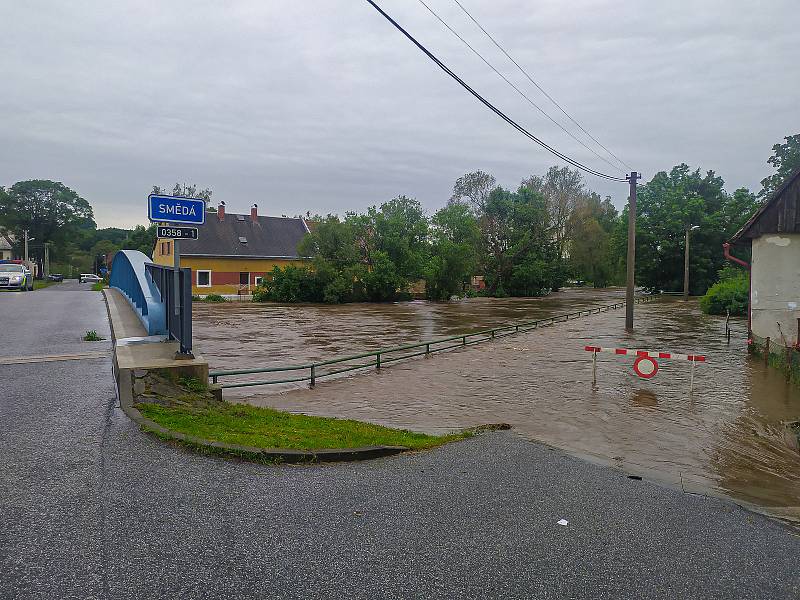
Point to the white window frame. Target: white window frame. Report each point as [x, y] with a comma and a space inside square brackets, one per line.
[258, 279]
[198, 278]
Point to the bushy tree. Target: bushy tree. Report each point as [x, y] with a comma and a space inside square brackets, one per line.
[668, 205]
[591, 251]
[454, 251]
[521, 255]
[786, 159]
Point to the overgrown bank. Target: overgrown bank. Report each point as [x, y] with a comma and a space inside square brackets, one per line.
[187, 407]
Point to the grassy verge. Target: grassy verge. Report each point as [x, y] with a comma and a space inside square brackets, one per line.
[43, 283]
[266, 428]
[98, 287]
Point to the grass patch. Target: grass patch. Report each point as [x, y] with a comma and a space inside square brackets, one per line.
[43, 283]
[92, 336]
[98, 286]
[267, 428]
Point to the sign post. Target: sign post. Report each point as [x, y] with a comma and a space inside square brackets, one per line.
[176, 210]
[645, 365]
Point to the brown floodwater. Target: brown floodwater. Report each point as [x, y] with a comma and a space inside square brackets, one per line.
[728, 437]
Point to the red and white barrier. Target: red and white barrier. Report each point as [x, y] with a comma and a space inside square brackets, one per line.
[645, 365]
[646, 353]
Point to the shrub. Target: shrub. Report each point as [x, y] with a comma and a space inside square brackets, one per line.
[92, 336]
[290, 284]
[730, 293]
[214, 298]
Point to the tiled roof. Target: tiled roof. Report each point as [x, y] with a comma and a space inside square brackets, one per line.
[266, 237]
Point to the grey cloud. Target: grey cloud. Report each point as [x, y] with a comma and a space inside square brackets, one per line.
[322, 106]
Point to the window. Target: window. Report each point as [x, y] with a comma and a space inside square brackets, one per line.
[169, 247]
[204, 279]
[258, 280]
[165, 248]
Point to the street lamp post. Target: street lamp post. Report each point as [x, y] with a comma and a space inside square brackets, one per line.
[689, 228]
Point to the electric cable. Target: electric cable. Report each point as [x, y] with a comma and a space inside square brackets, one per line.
[519, 91]
[538, 87]
[489, 105]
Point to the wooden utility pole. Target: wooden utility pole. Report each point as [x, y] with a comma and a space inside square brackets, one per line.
[631, 262]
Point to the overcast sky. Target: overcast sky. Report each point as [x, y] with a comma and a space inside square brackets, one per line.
[321, 105]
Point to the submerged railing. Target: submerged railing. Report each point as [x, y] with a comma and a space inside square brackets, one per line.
[321, 369]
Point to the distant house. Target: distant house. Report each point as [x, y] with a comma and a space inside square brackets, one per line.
[773, 233]
[234, 253]
[6, 245]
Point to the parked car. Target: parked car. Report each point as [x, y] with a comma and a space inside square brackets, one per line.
[15, 277]
[90, 278]
[55, 277]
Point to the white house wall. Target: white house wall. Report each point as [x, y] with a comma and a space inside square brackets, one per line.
[775, 297]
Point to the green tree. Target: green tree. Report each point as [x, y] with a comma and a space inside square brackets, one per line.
[399, 229]
[472, 190]
[141, 238]
[786, 159]
[49, 211]
[668, 205]
[188, 191]
[591, 251]
[521, 255]
[455, 240]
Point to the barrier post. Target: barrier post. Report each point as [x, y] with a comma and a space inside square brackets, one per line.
[594, 368]
[691, 379]
[313, 376]
[378, 361]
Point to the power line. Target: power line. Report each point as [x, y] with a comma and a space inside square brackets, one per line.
[538, 87]
[519, 91]
[489, 105]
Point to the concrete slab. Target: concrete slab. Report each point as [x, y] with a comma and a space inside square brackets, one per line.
[125, 323]
[158, 354]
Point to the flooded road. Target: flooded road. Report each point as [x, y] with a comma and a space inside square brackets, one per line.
[726, 438]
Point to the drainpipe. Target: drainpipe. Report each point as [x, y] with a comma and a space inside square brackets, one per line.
[726, 249]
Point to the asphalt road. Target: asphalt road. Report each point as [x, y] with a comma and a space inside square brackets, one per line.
[92, 508]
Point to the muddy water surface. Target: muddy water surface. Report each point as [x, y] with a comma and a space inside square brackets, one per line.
[727, 437]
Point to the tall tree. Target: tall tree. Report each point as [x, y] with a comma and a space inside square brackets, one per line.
[590, 249]
[48, 210]
[563, 189]
[473, 190]
[455, 239]
[785, 158]
[668, 205]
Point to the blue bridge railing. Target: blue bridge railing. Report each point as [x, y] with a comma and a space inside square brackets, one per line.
[129, 275]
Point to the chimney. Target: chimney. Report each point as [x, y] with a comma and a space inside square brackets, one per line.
[221, 211]
[254, 213]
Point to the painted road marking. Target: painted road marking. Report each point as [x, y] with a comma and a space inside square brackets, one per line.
[19, 360]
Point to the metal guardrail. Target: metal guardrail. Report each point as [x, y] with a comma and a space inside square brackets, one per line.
[381, 358]
[178, 319]
[129, 276]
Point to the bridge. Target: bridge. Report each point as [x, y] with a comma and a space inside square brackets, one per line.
[163, 308]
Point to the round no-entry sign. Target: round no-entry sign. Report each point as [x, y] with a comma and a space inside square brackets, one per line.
[645, 367]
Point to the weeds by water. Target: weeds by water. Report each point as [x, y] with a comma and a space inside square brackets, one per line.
[186, 406]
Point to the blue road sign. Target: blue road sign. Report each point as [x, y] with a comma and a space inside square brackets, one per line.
[176, 209]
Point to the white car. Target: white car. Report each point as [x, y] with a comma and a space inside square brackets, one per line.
[90, 278]
[15, 277]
